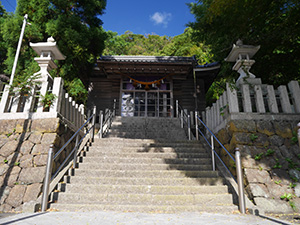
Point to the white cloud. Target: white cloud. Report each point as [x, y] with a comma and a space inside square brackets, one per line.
[161, 18]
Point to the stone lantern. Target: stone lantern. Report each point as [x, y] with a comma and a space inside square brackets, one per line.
[48, 51]
[241, 54]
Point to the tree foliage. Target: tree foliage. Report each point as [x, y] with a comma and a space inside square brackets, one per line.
[152, 44]
[273, 24]
[3, 48]
[77, 29]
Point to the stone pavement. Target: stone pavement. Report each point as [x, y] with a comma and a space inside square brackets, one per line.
[118, 218]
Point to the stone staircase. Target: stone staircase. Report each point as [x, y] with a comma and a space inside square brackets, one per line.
[126, 172]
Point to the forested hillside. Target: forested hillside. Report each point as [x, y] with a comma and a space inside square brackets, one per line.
[152, 44]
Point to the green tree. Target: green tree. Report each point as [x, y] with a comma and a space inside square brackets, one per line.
[76, 27]
[185, 45]
[152, 44]
[3, 48]
[273, 24]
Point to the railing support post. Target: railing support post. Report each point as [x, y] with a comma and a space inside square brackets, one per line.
[189, 127]
[196, 125]
[177, 108]
[298, 133]
[213, 153]
[101, 124]
[110, 114]
[47, 180]
[114, 108]
[93, 124]
[76, 151]
[181, 118]
[239, 173]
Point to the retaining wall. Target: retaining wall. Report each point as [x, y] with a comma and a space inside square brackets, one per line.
[270, 159]
[24, 146]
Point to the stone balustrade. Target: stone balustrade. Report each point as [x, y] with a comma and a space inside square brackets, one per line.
[253, 100]
[30, 107]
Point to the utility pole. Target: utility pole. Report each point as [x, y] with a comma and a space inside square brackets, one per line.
[18, 50]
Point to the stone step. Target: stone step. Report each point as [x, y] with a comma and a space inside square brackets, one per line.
[124, 149]
[153, 129]
[146, 165]
[145, 173]
[140, 135]
[146, 208]
[143, 181]
[134, 189]
[195, 199]
[145, 142]
[147, 122]
[148, 129]
[199, 161]
[138, 166]
[121, 154]
[148, 134]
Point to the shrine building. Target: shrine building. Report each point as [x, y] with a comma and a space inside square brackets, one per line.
[148, 86]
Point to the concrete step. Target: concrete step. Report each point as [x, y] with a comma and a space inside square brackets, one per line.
[115, 160]
[146, 208]
[145, 173]
[138, 166]
[134, 189]
[122, 154]
[143, 181]
[189, 199]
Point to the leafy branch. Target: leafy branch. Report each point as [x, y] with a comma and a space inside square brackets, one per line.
[23, 84]
[48, 99]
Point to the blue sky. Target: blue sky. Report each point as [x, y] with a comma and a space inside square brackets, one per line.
[162, 17]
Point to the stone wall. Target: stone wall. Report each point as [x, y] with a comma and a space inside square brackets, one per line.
[270, 159]
[24, 146]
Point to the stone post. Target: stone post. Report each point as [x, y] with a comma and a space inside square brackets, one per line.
[273, 107]
[284, 99]
[58, 84]
[260, 106]
[247, 105]
[232, 99]
[295, 92]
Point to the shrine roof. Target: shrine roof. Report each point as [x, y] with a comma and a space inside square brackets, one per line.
[150, 59]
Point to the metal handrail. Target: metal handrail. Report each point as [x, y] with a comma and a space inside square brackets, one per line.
[108, 118]
[184, 119]
[211, 145]
[52, 157]
[237, 161]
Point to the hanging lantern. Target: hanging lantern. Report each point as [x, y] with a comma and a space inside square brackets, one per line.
[135, 84]
[147, 88]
